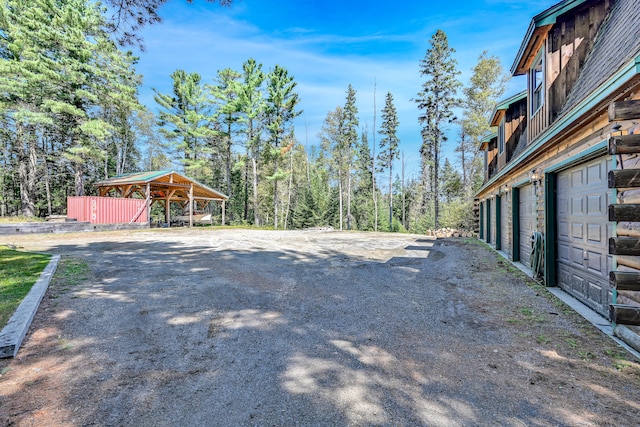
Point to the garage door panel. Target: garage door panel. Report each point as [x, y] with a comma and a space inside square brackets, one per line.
[577, 180]
[596, 293]
[526, 212]
[576, 256]
[584, 272]
[563, 252]
[577, 284]
[595, 174]
[594, 204]
[577, 231]
[563, 229]
[577, 206]
[595, 233]
[595, 263]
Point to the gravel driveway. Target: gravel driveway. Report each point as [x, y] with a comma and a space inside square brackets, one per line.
[208, 327]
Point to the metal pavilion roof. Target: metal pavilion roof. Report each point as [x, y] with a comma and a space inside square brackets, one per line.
[163, 185]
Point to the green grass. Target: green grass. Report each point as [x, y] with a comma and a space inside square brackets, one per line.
[18, 272]
[12, 219]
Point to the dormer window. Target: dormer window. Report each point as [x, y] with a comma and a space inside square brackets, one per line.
[537, 85]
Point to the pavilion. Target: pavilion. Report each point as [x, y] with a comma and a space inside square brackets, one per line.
[165, 187]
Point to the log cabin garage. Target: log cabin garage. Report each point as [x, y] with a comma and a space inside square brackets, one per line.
[563, 163]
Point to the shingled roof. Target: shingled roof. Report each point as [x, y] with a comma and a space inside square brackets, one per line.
[617, 43]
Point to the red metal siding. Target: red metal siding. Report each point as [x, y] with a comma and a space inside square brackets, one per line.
[106, 210]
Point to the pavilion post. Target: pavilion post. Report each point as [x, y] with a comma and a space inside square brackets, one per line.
[167, 210]
[223, 205]
[148, 202]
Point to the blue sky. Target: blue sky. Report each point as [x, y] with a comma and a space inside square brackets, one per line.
[326, 45]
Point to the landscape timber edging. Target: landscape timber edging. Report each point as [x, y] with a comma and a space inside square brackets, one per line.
[14, 332]
[64, 227]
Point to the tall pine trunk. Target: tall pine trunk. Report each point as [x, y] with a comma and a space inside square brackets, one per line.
[286, 214]
[349, 200]
[26, 169]
[390, 197]
[79, 178]
[436, 187]
[340, 198]
[256, 214]
[275, 196]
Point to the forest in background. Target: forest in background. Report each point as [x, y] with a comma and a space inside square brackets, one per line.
[70, 116]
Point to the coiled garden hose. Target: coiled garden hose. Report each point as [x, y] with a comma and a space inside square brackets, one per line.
[537, 254]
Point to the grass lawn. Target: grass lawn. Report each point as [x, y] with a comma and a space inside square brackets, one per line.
[12, 219]
[18, 272]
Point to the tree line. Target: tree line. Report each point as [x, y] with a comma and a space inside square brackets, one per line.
[70, 117]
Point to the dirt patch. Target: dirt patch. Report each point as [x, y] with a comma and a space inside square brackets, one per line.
[234, 327]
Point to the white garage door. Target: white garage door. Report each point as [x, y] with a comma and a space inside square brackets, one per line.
[504, 224]
[526, 212]
[583, 233]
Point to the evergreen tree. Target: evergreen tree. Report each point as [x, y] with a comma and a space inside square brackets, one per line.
[130, 16]
[486, 86]
[331, 145]
[363, 206]
[389, 146]
[153, 147]
[64, 88]
[436, 101]
[451, 183]
[281, 104]
[226, 95]
[252, 107]
[348, 142]
[184, 121]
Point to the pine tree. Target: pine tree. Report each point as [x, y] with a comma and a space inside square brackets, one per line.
[389, 146]
[227, 114]
[363, 206]
[281, 104]
[436, 101]
[184, 121]
[252, 107]
[65, 89]
[451, 182]
[130, 16]
[348, 142]
[486, 85]
[153, 147]
[331, 145]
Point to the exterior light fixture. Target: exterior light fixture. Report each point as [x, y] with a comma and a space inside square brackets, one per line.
[534, 177]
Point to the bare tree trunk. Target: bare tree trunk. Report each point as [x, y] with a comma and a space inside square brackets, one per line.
[340, 198]
[436, 189]
[286, 214]
[26, 170]
[275, 197]
[390, 197]
[245, 214]
[46, 184]
[79, 179]
[349, 200]
[228, 160]
[404, 217]
[373, 161]
[256, 216]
